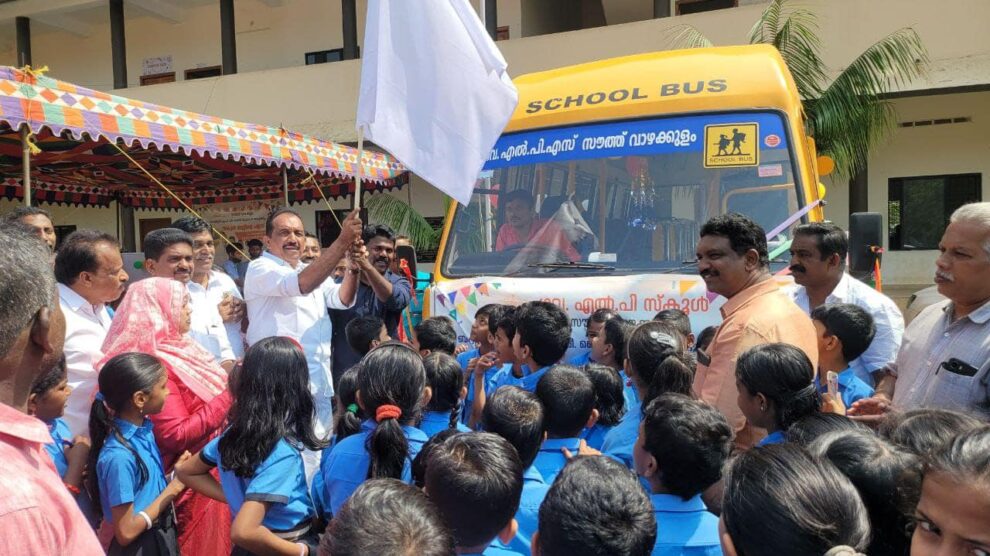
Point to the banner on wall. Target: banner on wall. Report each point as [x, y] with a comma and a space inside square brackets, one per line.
[240, 221]
[636, 298]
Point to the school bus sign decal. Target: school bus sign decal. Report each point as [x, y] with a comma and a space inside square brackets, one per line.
[732, 145]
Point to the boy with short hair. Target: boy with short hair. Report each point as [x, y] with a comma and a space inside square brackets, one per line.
[844, 332]
[517, 416]
[682, 446]
[435, 334]
[480, 335]
[365, 333]
[475, 480]
[493, 314]
[596, 506]
[500, 364]
[568, 398]
[594, 328]
[543, 334]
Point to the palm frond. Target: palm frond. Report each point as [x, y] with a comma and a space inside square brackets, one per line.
[851, 116]
[798, 43]
[393, 212]
[685, 36]
[766, 27]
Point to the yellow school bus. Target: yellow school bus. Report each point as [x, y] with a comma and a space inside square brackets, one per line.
[594, 195]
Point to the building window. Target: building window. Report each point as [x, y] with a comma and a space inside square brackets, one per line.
[200, 73]
[918, 208]
[158, 78]
[324, 56]
[685, 7]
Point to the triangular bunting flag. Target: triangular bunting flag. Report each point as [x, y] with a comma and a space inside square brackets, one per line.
[453, 314]
[497, 285]
[452, 296]
[477, 285]
[686, 285]
[465, 290]
[710, 295]
[483, 289]
[462, 308]
[441, 299]
[473, 298]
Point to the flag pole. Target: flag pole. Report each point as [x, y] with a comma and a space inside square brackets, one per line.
[360, 169]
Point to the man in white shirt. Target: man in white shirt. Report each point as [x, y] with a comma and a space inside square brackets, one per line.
[286, 297]
[208, 286]
[818, 264]
[90, 274]
[168, 253]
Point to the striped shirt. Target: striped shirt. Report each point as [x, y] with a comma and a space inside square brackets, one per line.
[933, 338]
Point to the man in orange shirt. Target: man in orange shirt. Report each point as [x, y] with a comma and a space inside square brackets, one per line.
[733, 261]
[522, 227]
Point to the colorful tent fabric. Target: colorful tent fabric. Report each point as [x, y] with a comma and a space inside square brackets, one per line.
[203, 159]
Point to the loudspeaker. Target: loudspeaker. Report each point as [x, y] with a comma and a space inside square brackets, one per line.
[865, 233]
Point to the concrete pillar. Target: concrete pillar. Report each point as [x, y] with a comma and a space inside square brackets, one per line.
[23, 41]
[118, 45]
[228, 42]
[348, 10]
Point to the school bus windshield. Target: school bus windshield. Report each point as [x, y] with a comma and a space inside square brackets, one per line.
[623, 197]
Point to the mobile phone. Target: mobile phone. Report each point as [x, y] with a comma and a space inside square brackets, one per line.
[833, 384]
[958, 367]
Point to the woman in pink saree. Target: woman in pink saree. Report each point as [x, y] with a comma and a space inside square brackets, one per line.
[153, 318]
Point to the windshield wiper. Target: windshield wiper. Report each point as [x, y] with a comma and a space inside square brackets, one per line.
[574, 265]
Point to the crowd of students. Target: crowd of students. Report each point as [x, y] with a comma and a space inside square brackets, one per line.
[505, 447]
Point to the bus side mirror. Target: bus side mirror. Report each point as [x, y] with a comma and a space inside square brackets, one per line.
[865, 235]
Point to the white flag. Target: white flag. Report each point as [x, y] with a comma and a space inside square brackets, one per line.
[434, 90]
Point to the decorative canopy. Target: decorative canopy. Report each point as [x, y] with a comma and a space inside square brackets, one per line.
[202, 159]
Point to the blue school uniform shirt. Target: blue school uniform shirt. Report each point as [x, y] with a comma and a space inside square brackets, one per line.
[618, 443]
[469, 399]
[534, 490]
[550, 459]
[684, 527]
[464, 358]
[61, 439]
[629, 392]
[347, 464]
[580, 360]
[776, 437]
[595, 436]
[435, 421]
[851, 387]
[493, 550]
[280, 480]
[118, 473]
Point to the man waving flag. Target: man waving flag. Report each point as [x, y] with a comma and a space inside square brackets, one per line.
[434, 90]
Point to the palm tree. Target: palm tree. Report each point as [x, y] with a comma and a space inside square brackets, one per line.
[849, 116]
[398, 215]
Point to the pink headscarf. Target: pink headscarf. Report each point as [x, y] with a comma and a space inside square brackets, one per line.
[147, 321]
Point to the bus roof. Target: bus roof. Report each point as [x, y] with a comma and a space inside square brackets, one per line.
[656, 83]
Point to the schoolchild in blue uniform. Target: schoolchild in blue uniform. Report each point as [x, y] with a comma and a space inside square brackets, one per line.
[517, 416]
[347, 419]
[497, 368]
[613, 341]
[481, 336]
[435, 334]
[259, 456]
[365, 333]
[776, 388]
[656, 364]
[391, 390]
[543, 334]
[568, 398]
[595, 506]
[488, 355]
[593, 328]
[609, 402]
[475, 480]
[126, 471]
[49, 394]
[446, 383]
[844, 332]
[682, 446]
[387, 516]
